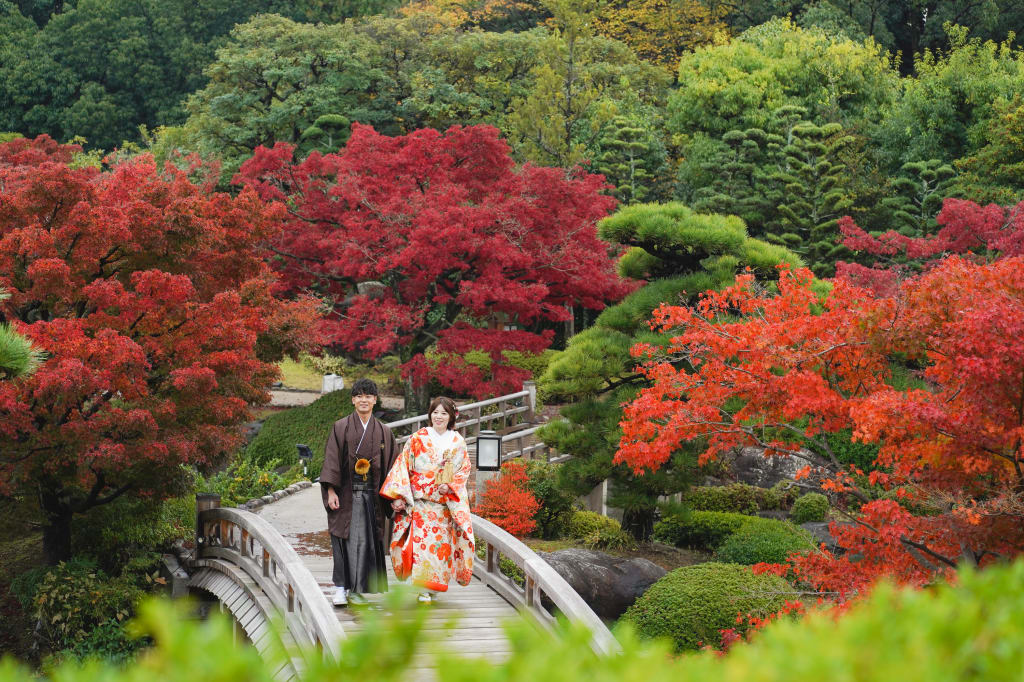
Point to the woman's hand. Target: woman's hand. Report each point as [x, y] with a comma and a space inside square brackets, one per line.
[443, 489]
[398, 505]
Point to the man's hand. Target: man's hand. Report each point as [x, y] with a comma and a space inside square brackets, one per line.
[332, 499]
[398, 505]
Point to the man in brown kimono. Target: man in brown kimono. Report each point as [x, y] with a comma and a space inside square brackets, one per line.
[360, 451]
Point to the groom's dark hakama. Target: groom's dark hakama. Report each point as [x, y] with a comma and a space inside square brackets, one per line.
[358, 525]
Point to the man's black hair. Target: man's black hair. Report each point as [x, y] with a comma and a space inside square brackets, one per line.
[364, 386]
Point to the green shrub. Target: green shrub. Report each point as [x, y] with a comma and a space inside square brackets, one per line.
[968, 631]
[764, 540]
[584, 523]
[599, 532]
[692, 604]
[779, 497]
[736, 497]
[244, 480]
[535, 363]
[810, 507]
[849, 451]
[73, 598]
[556, 509]
[609, 538]
[126, 529]
[699, 529]
[108, 641]
[915, 505]
[505, 565]
[310, 425]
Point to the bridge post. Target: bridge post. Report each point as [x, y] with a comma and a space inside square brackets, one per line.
[204, 501]
[531, 400]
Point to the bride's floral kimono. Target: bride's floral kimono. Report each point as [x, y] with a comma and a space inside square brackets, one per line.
[432, 538]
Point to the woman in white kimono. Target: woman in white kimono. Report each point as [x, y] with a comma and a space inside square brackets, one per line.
[432, 538]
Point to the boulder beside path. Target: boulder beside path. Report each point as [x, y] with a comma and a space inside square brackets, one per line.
[609, 584]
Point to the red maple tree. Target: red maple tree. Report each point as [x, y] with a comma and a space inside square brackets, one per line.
[980, 233]
[507, 501]
[436, 240]
[152, 303]
[793, 368]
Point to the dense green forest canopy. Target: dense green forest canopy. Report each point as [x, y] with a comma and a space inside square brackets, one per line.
[101, 68]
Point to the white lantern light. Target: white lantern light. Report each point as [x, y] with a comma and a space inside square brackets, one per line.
[488, 451]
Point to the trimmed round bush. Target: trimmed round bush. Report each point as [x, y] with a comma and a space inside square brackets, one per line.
[810, 507]
[765, 540]
[585, 524]
[698, 530]
[691, 604]
[310, 425]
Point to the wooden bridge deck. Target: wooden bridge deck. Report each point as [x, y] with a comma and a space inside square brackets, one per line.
[476, 610]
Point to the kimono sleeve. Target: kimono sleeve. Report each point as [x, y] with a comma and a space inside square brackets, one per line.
[462, 470]
[396, 483]
[330, 472]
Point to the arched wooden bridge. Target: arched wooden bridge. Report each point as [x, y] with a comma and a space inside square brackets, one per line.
[277, 563]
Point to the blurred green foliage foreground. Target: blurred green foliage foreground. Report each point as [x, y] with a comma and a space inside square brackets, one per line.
[971, 631]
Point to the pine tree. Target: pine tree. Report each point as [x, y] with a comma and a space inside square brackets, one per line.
[630, 157]
[681, 253]
[18, 357]
[812, 181]
[920, 189]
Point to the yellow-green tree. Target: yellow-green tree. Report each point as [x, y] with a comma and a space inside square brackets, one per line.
[576, 89]
[660, 31]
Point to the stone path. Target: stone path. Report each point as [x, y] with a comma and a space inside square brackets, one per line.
[295, 397]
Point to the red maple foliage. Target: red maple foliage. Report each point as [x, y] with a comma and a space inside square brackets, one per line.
[152, 304]
[507, 501]
[437, 240]
[980, 233]
[798, 366]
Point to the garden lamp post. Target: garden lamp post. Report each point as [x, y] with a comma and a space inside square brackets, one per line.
[305, 456]
[488, 451]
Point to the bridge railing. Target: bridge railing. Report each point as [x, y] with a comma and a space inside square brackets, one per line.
[497, 413]
[540, 580]
[249, 542]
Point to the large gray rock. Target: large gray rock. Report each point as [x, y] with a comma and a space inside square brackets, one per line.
[749, 465]
[820, 531]
[609, 584]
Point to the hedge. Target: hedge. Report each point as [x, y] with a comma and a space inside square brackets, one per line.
[310, 425]
[741, 498]
[764, 540]
[698, 530]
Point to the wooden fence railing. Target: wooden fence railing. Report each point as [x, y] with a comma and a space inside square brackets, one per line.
[540, 580]
[512, 415]
[496, 414]
[249, 542]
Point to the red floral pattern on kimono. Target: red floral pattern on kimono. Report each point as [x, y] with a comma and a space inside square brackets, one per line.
[432, 538]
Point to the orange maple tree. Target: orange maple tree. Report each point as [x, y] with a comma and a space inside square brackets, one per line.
[783, 372]
[508, 502]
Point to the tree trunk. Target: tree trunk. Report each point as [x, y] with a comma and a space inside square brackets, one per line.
[57, 531]
[57, 538]
[417, 398]
[639, 523]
